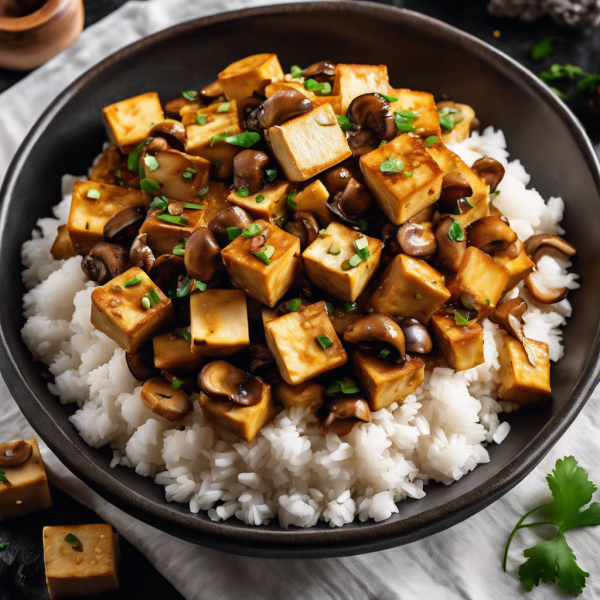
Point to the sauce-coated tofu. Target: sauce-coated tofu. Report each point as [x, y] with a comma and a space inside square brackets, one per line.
[304, 395]
[265, 283]
[111, 168]
[422, 104]
[26, 486]
[385, 382]
[118, 311]
[354, 80]
[324, 269]
[62, 248]
[271, 207]
[128, 122]
[214, 202]
[317, 100]
[89, 215]
[173, 354]
[409, 287]
[518, 268]
[460, 345]
[309, 144]
[401, 196]
[520, 381]
[81, 560]
[244, 76]
[314, 197]
[219, 322]
[292, 339]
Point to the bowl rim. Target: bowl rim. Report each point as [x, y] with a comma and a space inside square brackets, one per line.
[281, 543]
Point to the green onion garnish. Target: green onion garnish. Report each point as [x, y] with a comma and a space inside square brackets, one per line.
[3, 478]
[260, 198]
[200, 119]
[203, 193]
[184, 333]
[243, 192]
[466, 201]
[190, 95]
[353, 262]
[344, 122]
[250, 231]
[362, 248]
[151, 163]
[324, 342]
[429, 141]
[407, 174]
[296, 71]
[159, 203]
[176, 384]
[487, 301]
[447, 110]
[94, 194]
[456, 233]
[293, 304]
[218, 138]
[385, 353]
[174, 219]
[133, 281]
[224, 107]
[245, 140]
[388, 98]
[271, 174]
[291, 202]
[71, 539]
[179, 250]
[134, 155]
[233, 232]
[218, 164]
[314, 86]
[391, 165]
[150, 186]
[459, 319]
[419, 296]
[193, 206]
[335, 249]
[349, 306]
[146, 303]
[3, 545]
[155, 296]
[201, 286]
[329, 308]
[184, 290]
[404, 120]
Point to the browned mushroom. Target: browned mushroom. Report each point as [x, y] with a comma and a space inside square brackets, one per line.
[245, 107]
[234, 216]
[320, 71]
[336, 179]
[201, 254]
[258, 241]
[261, 356]
[369, 113]
[354, 199]
[211, 91]
[546, 241]
[140, 254]
[187, 384]
[304, 226]
[416, 336]
[174, 105]
[345, 413]
[489, 170]
[490, 234]
[416, 239]
[249, 169]
[104, 262]
[377, 326]
[157, 145]
[280, 107]
[172, 131]
[166, 271]
[159, 396]
[450, 254]
[455, 187]
[141, 363]
[543, 294]
[13, 454]
[510, 316]
[124, 226]
[220, 380]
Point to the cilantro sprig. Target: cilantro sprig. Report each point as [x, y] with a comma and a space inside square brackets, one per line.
[586, 82]
[553, 560]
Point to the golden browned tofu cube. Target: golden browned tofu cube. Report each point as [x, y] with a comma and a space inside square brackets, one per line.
[243, 421]
[269, 204]
[304, 395]
[244, 76]
[401, 195]
[309, 144]
[304, 343]
[313, 197]
[333, 272]
[409, 287]
[24, 487]
[266, 283]
[128, 122]
[111, 168]
[354, 80]
[335, 101]
[62, 248]
[219, 322]
[385, 382]
[462, 122]
[520, 381]
[81, 560]
[92, 206]
[214, 201]
[119, 310]
[460, 345]
[518, 268]
[172, 353]
[422, 104]
[481, 278]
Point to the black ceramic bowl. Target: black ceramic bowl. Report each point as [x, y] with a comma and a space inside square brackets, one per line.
[422, 54]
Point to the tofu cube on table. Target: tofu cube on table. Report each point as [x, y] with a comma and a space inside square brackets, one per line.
[219, 322]
[401, 196]
[309, 144]
[271, 207]
[326, 270]
[173, 354]
[354, 80]
[128, 122]
[92, 206]
[24, 487]
[119, 312]
[460, 345]
[422, 104]
[304, 343]
[409, 287]
[518, 268]
[244, 76]
[81, 560]
[265, 283]
[313, 197]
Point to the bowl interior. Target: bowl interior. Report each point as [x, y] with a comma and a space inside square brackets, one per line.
[421, 54]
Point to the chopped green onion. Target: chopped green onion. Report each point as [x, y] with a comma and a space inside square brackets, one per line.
[349, 306]
[348, 386]
[335, 249]
[323, 120]
[176, 384]
[456, 233]
[184, 290]
[134, 155]
[187, 175]
[263, 256]
[250, 231]
[118, 178]
[344, 122]
[271, 174]
[334, 388]
[71, 539]
[155, 296]
[259, 199]
[324, 342]
[174, 219]
[404, 120]
[159, 203]
[487, 301]
[146, 303]
[290, 200]
[496, 192]
[3, 545]
[218, 164]
[296, 71]
[407, 114]
[179, 250]
[362, 248]
[172, 294]
[391, 165]
[329, 308]
[460, 319]
[466, 201]
[293, 304]
[382, 143]
[203, 193]
[362, 225]
[218, 138]
[200, 119]
[388, 98]
[407, 174]
[351, 263]
[193, 206]
[419, 296]
[94, 194]
[151, 163]
[314, 86]
[233, 232]
[243, 192]
[190, 95]
[447, 110]
[150, 186]
[447, 123]
[385, 353]
[245, 139]
[133, 281]
[429, 141]
[201, 286]
[467, 301]
[321, 232]
[224, 107]
[184, 333]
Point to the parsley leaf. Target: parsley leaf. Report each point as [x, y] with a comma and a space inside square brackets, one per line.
[544, 47]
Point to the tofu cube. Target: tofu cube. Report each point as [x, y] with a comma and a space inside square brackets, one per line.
[219, 322]
[214, 202]
[385, 382]
[460, 345]
[304, 395]
[111, 167]
[520, 381]
[481, 278]
[409, 287]
[81, 560]
[89, 215]
[400, 196]
[62, 248]
[118, 311]
[271, 207]
[518, 268]
[243, 421]
[26, 487]
[326, 270]
[173, 354]
[309, 144]
[265, 283]
[462, 122]
[293, 341]
[354, 80]
[313, 197]
[335, 101]
[128, 122]
[244, 76]
[422, 104]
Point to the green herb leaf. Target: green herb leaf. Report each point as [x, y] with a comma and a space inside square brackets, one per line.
[183, 332]
[448, 110]
[487, 301]
[3, 478]
[218, 164]
[293, 304]
[296, 72]
[176, 384]
[544, 47]
[388, 98]
[190, 95]
[404, 124]
[324, 342]
[348, 386]
[179, 250]
[173, 219]
[447, 123]
[291, 202]
[203, 192]
[244, 140]
[391, 165]
[468, 202]
[193, 206]
[233, 232]
[329, 308]
[224, 107]
[201, 286]
[385, 353]
[456, 233]
[459, 319]
[243, 192]
[250, 231]
[184, 290]
[334, 388]
[200, 119]
[335, 249]
[134, 155]
[324, 120]
[133, 281]
[271, 174]
[314, 86]
[349, 306]
[407, 174]
[151, 163]
[419, 296]
[3, 545]
[159, 203]
[71, 539]
[94, 194]
[344, 122]
[218, 138]
[429, 141]
[259, 199]
[263, 256]
[146, 304]
[154, 295]
[150, 186]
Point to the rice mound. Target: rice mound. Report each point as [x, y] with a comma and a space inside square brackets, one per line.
[289, 471]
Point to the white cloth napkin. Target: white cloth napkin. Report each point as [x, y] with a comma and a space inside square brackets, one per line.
[461, 563]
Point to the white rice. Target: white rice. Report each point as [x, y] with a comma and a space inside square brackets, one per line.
[289, 471]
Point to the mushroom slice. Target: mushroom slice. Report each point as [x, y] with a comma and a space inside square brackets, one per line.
[320, 71]
[234, 216]
[202, 252]
[304, 226]
[281, 107]
[166, 270]
[261, 355]
[211, 91]
[249, 169]
[355, 198]
[416, 239]
[416, 336]
[104, 262]
[377, 326]
[247, 108]
[336, 179]
[159, 396]
[345, 413]
[13, 454]
[450, 253]
[510, 316]
[490, 234]
[171, 130]
[373, 113]
[455, 187]
[124, 226]
[141, 363]
[548, 240]
[222, 381]
[140, 254]
[543, 294]
[489, 170]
